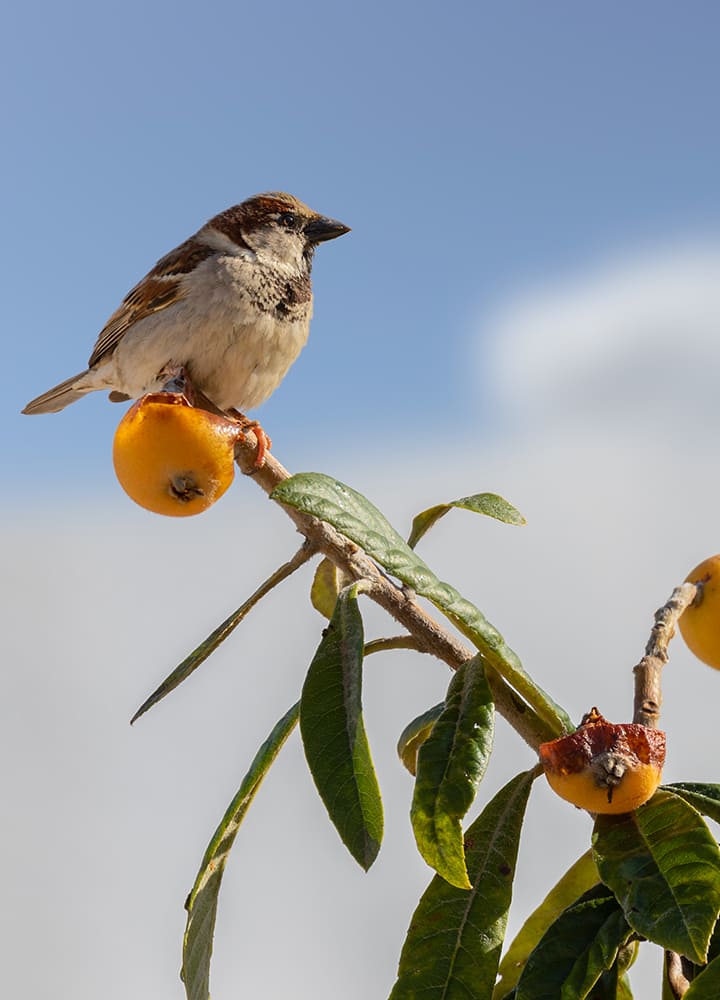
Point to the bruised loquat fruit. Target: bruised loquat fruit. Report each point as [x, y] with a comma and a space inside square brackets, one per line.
[603, 767]
[700, 623]
[173, 458]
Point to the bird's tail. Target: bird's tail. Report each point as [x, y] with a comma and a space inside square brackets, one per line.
[60, 396]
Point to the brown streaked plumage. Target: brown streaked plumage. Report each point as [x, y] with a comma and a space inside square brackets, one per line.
[231, 305]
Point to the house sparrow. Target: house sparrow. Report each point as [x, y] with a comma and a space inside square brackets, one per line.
[230, 306]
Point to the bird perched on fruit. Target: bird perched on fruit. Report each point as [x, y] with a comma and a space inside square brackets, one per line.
[231, 306]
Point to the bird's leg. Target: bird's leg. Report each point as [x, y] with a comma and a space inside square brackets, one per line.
[176, 380]
[264, 444]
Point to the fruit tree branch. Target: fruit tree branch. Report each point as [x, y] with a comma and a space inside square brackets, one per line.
[648, 672]
[431, 637]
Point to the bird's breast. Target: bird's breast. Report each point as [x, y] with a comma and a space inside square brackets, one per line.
[237, 328]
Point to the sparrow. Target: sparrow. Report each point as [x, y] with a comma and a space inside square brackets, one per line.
[230, 307]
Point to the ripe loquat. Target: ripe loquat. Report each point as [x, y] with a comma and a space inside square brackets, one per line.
[700, 623]
[173, 458]
[603, 767]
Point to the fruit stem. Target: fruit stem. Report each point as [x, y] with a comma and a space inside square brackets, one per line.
[648, 690]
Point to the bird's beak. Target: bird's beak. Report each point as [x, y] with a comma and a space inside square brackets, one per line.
[320, 229]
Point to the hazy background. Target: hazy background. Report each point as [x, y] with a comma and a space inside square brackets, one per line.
[528, 303]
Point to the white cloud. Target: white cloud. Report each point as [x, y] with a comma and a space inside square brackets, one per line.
[637, 337]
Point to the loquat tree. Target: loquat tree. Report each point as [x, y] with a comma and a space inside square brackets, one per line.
[652, 869]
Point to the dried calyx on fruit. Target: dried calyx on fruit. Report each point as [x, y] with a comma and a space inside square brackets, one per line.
[605, 767]
[173, 458]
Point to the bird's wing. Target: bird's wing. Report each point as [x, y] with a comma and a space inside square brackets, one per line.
[160, 288]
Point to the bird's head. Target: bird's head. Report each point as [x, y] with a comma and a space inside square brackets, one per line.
[278, 228]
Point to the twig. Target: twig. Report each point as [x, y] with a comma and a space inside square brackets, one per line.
[676, 967]
[648, 690]
[393, 642]
[398, 603]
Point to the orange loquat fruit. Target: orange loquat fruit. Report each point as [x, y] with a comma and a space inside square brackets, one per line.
[700, 623]
[604, 767]
[173, 458]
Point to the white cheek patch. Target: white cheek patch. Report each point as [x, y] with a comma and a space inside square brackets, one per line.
[279, 248]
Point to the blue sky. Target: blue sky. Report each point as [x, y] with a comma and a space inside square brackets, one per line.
[473, 148]
[528, 303]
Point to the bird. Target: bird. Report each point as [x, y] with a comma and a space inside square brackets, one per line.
[230, 308]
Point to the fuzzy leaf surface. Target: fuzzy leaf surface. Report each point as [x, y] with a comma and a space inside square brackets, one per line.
[414, 735]
[663, 865]
[451, 763]
[359, 520]
[202, 901]
[578, 879]
[333, 733]
[453, 944]
[576, 949]
[489, 504]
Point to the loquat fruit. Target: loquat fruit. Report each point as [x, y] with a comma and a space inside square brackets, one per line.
[173, 458]
[604, 767]
[700, 623]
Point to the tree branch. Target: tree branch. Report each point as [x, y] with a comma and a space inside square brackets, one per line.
[398, 603]
[648, 672]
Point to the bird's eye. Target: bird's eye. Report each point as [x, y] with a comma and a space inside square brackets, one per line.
[287, 219]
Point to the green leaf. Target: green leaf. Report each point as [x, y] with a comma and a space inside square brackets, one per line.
[623, 990]
[706, 986]
[579, 878]
[576, 949]
[663, 865]
[612, 984]
[326, 586]
[198, 656]
[453, 945]
[481, 503]
[202, 901]
[451, 763]
[333, 732]
[705, 798]
[354, 516]
[414, 735]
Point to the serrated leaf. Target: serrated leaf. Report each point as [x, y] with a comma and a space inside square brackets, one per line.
[354, 516]
[414, 735]
[453, 945]
[489, 504]
[713, 953]
[333, 732]
[663, 864]
[578, 879]
[576, 949]
[706, 986]
[326, 586]
[703, 797]
[451, 763]
[203, 898]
